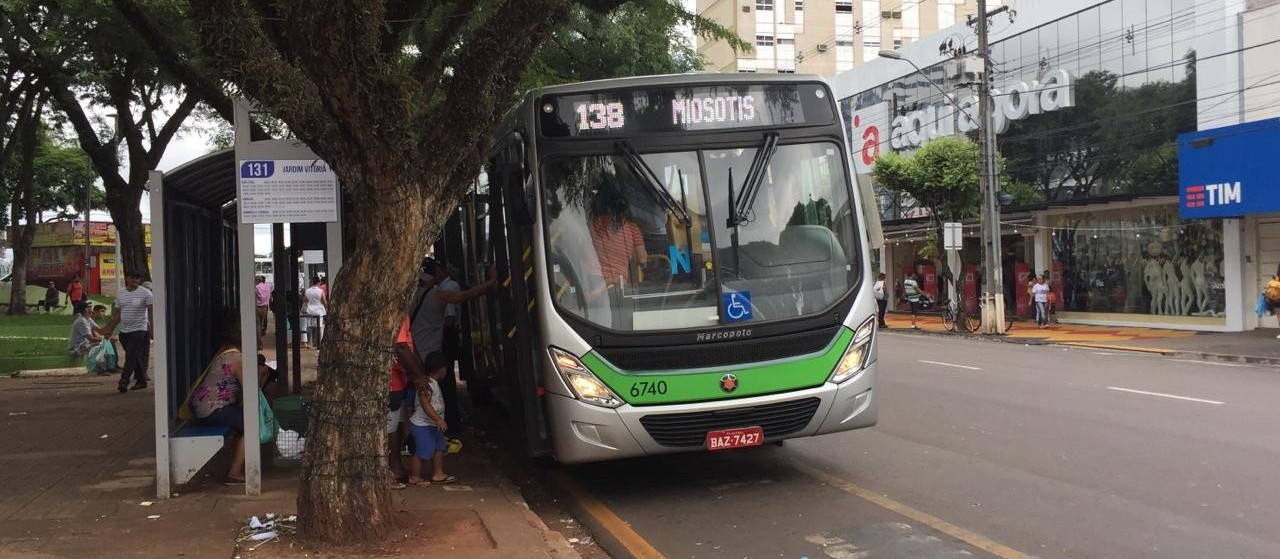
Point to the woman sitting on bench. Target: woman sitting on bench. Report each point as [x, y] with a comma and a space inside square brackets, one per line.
[218, 399]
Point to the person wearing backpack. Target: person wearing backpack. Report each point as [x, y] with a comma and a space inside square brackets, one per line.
[1272, 295]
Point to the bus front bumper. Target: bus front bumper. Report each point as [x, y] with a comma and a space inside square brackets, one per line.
[586, 433]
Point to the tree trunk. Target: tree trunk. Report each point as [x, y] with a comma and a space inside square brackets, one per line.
[344, 495]
[122, 202]
[24, 204]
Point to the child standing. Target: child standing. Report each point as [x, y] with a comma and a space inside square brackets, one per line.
[428, 424]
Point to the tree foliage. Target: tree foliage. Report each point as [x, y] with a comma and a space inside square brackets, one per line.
[106, 82]
[1115, 139]
[941, 176]
[61, 175]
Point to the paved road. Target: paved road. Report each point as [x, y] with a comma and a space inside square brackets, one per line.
[1018, 451]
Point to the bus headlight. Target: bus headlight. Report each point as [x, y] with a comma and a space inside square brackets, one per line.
[586, 387]
[859, 353]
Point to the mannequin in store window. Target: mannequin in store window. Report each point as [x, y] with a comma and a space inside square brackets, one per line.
[1188, 288]
[1154, 276]
[1173, 295]
[1201, 283]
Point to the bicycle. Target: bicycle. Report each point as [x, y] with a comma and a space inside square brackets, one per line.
[954, 319]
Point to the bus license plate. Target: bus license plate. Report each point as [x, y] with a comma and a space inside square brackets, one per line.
[735, 438]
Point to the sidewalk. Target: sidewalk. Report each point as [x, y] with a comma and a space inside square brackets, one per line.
[1258, 346]
[77, 467]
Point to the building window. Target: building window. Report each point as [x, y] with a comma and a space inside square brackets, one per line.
[799, 5]
[844, 43]
[746, 70]
[782, 41]
[765, 5]
[786, 71]
[890, 15]
[844, 6]
[897, 44]
[764, 40]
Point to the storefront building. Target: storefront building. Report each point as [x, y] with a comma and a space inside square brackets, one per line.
[1091, 98]
[58, 254]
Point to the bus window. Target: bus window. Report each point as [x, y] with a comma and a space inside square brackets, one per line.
[619, 257]
[795, 251]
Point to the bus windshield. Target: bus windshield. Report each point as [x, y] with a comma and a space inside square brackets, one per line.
[621, 258]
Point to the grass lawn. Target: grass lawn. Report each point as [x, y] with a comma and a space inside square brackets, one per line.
[35, 341]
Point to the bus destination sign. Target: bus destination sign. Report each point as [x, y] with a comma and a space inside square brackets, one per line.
[688, 109]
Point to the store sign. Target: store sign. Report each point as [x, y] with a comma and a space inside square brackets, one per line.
[1016, 102]
[1229, 171]
[868, 128]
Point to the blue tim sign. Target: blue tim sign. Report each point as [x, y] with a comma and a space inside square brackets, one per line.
[1230, 171]
[737, 306]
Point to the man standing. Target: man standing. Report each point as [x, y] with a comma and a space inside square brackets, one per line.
[133, 315]
[262, 298]
[882, 300]
[429, 311]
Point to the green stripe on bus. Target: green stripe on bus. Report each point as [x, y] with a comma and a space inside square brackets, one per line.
[647, 388]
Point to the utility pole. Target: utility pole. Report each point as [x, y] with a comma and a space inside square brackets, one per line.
[993, 309]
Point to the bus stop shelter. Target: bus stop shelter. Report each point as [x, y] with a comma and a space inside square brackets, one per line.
[202, 220]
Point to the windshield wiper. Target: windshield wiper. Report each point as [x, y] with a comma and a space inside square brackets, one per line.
[755, 177]
[650, 179]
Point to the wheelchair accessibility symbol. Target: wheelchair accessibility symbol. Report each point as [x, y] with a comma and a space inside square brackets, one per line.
[737, 306]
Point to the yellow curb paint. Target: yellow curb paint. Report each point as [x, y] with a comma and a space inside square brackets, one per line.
[1117, 347]
[976, 540]
[630, 539]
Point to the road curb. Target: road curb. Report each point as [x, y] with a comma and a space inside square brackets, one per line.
[1121, 347]
[1166, 352]
[589, 510]
[40, 373]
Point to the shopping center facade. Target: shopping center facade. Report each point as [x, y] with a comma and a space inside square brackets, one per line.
[1094, 101]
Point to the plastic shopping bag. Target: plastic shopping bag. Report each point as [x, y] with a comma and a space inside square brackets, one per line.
[1261, 307]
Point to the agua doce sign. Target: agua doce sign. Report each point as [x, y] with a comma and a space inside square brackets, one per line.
[1016, 102]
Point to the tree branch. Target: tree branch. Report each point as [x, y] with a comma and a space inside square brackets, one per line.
[175, 62]
[170, 129]
[231, 33]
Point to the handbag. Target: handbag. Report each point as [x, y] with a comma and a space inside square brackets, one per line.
[266, 420]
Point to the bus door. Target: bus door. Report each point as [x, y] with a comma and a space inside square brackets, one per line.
[511, 222]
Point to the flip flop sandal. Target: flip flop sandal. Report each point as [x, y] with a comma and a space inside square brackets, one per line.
[422, 483]
[396, 486]
[445, 481]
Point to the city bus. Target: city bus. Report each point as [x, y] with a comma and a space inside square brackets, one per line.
[683, 265]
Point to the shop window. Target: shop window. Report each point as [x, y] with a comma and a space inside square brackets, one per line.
[1137, 261]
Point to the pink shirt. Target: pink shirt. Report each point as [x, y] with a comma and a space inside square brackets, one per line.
[263, 293]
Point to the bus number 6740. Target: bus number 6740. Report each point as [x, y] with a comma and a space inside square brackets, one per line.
[648, 388]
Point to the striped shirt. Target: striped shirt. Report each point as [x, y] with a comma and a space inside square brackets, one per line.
[133, 306]
[616, 247]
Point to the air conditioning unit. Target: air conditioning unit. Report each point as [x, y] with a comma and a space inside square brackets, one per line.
[746, 9]
[822, 47]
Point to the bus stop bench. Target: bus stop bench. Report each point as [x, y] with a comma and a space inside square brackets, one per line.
[191, 447]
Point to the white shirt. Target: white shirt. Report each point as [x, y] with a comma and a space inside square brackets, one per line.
[1041, 292]
[449, 284]
[420, 417]
[133, 306]
[878, 289]
[315, 307]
